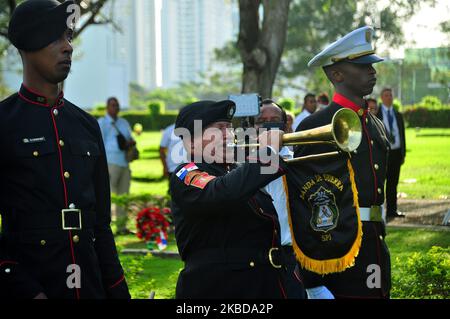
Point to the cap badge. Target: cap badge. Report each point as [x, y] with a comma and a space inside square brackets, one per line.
[368, 36]
[231, 112]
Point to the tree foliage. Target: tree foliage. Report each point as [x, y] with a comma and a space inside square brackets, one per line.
[312, 24]
[91, 13]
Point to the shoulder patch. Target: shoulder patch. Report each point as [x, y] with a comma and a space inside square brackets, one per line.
[201, 179]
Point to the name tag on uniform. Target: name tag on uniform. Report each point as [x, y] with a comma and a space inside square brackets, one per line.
[34, 140]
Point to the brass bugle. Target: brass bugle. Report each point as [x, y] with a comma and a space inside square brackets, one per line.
[344, 132]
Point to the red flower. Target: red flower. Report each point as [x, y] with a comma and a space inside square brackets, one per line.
[151, 221]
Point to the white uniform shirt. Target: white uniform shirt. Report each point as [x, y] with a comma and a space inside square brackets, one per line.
[277, 191]
[176, 154]
[300, 119]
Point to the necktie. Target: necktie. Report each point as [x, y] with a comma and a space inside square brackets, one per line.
[391, 125]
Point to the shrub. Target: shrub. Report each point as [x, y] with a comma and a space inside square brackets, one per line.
[148, 122]
[189, 100]
[140, 201]
[156, 107]
[422, 117]
[287, 104]
[397, 104]
[431, 102]
[424, 276]
[100, 108]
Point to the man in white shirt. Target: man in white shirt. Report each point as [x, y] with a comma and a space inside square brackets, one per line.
[395, 129]
[111, 126]
[273, 113]
[171, 151]
[309, 107]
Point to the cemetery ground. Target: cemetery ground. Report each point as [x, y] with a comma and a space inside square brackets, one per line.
[420, 254]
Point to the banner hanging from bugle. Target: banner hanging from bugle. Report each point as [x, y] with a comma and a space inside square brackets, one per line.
[324, 214]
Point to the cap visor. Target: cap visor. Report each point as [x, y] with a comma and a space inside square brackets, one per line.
[367, 59]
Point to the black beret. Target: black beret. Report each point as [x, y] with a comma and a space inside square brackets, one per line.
[207, 111]
[37, 23]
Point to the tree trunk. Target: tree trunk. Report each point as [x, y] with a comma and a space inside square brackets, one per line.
[261, 47]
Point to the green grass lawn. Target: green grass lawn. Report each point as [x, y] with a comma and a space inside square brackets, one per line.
[147, 171]
[427, 162]
[146, 274]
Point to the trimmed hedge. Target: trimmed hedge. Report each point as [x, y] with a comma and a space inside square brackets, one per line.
[143, 200]
[422, 117]
[154, 122]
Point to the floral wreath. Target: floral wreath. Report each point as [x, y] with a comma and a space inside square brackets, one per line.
[152, 225]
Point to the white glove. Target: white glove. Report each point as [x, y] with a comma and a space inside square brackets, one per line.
[319, 293]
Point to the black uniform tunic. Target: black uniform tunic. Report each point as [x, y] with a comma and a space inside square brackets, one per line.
[53, 158]
[369, 164]
[227, 233]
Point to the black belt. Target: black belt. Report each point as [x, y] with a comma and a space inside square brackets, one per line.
[66, 219]
[45, 237]
[252, 257]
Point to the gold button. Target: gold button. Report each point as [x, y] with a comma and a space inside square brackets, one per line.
[55, 112]
[67, 175]
[371, 142]
[367, 120]
[361, 112]
[376, 167]
[88, 153]
[252, 264]
[61, 143]
[43, 242]
[379, 191]
[381, 237]
[35, 153]
[76, 239]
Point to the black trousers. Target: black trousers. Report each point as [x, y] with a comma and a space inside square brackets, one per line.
[293, 282]
[394, 164]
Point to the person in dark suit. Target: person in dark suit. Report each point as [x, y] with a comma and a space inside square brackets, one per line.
[395, 128]
[56, 241]
[226, 227]
[348, 65]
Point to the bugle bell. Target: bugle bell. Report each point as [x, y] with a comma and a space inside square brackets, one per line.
[344, 132]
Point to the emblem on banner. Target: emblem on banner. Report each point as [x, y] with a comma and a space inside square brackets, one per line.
[325, 213]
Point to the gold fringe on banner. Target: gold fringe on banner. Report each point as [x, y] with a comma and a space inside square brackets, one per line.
[328, 266]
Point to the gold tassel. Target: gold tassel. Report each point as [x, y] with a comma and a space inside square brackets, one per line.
[324, 267]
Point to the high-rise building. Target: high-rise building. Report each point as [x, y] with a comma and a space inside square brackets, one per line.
[110, 57]
[191, 30]
[144, 36]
